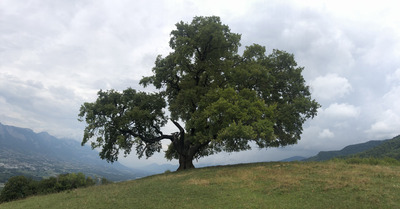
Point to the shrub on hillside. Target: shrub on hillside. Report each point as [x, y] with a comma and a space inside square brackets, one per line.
[90, 181]
[18, 187]
[105, 181]
[71, 181]
[47, 186]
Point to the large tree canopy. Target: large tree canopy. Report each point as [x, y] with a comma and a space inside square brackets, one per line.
[218, 100]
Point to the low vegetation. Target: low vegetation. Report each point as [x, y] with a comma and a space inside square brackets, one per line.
[19, 187]
[369, 161]
[339, 183]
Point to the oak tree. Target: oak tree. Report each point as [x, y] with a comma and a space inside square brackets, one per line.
[218, 99]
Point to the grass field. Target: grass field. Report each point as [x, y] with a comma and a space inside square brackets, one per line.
[333, 184]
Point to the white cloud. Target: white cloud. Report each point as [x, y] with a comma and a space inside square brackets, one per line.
[386, 126]
[40, 106]
[330, 87]
[326, 133]
[387, 117]
[394, 78]
[343, 110]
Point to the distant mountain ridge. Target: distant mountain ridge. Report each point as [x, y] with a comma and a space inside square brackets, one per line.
[374, 148]
[294, 158]
[346, 151]
[24, 152]
[390, 148]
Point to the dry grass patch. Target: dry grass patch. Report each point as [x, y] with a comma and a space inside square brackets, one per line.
[198, 182]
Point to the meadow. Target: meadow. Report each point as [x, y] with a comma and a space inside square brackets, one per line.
[331, 184]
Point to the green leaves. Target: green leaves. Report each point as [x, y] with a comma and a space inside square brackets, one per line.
[203, 52]
[116, 118]
[206, 38]
[292, 96]
[231, 118]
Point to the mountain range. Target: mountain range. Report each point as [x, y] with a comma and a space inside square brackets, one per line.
[38, 155]
[346, 151]
[376, 149]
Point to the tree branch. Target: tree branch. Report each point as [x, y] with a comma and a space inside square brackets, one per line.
[157, 130]
[156, 139]
[181, 130]
[148, 140]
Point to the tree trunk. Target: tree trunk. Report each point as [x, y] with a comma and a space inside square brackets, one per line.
[185, 162]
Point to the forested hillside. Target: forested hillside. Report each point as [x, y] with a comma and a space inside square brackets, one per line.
[390, 148]
[371, 149]
[347, 151]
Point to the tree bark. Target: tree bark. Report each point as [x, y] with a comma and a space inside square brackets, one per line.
[185, 162]
[182, 147]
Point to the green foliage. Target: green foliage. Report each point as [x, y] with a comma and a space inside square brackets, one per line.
[105, 181]
[224, 99]
[18, 187]
[91, 182]
[116, 118]
[232, 118]
[48, 185]
[70, 181]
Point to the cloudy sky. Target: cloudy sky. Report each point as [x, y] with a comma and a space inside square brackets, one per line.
[55, 55]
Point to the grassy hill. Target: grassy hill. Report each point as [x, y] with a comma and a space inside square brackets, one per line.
[333, 184]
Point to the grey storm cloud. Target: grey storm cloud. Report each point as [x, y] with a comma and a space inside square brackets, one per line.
[55, 55]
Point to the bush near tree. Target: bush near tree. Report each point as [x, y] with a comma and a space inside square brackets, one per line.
[19, 187]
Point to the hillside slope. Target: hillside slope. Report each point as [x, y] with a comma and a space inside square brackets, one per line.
[262, 185]
[37, 155]
[347, 151]
[390, 148]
